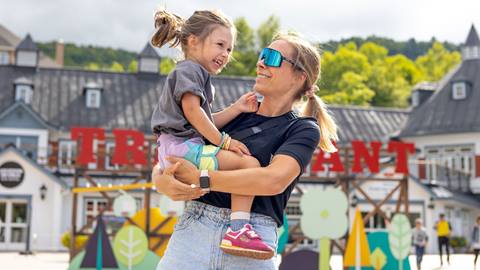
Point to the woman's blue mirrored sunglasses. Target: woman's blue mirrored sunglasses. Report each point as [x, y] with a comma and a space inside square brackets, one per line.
[273, 58]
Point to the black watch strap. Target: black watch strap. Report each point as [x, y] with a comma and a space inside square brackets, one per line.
[204, 179]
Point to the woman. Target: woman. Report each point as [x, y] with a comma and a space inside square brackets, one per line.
[287, 70]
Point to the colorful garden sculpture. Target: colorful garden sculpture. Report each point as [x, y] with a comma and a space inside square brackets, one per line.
[130, 246]
[379, 240]
[283, 235]
[378, 259]
[99, 252]
[324, 217]
[156, 219]
[400, 238]
[357, 253]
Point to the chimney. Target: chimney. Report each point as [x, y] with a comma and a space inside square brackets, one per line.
[59, 52]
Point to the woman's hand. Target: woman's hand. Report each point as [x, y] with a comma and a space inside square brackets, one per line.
[185, 171]
[247, 103]
[165, 183]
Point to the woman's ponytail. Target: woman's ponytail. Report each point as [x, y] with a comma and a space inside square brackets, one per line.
[316, 108]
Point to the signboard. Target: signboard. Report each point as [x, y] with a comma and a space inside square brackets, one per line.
[11, 174]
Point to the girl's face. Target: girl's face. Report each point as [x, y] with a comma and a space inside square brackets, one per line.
[279, 81]
[215, 51]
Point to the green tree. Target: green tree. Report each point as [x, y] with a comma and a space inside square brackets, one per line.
[267, 30]
[346, 59]
[116, 67]
[354, 91]
[166, 65]
[244, 56]
[437, 62]
[392, 80]
[92, 66]
[133, 66]
[373, 52]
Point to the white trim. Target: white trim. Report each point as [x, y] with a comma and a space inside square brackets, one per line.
[23, 93]
[94, 97]
[459, 90]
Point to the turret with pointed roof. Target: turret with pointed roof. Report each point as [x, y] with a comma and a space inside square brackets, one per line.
[149, 60]
[471, 49]
[453, 107]
[26, 53]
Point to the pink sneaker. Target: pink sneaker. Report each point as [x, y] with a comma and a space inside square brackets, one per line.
[246, 243]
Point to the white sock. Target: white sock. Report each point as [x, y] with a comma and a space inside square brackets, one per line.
[240, 215]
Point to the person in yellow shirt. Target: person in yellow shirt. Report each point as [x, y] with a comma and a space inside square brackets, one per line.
[443, 228]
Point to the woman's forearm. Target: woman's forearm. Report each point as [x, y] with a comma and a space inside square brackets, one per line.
[263, 181]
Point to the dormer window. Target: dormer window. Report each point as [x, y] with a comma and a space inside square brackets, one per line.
[23, 90]
[93, 95]
[415, 99]
[459, 90]
[93, 98]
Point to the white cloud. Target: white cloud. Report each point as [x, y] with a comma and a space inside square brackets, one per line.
[129, 24]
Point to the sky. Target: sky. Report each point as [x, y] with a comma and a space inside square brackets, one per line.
[128, 24]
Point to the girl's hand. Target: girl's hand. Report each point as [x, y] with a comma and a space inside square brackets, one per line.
[238, 147]
[247, 103]
[166, 183]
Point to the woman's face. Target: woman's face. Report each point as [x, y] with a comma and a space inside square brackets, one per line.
[279, 81]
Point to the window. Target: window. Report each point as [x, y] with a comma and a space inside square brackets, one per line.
[93, 98]
[450, 165]
[149, 65]
[476, 52]
[109, 148]
[4, 59]
[27, 58]
[93, 206]
[28, 145]
[23, 93]
[459, 90]
[67, 151]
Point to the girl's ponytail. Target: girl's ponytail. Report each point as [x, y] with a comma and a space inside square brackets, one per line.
[168, 29]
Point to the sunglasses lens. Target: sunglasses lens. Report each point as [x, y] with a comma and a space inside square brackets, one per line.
[271, 58]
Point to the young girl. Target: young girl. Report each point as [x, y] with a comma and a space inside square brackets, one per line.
[182, 117]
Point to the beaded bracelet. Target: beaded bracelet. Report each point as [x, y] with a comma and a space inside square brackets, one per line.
[226, 146]
[222, 139]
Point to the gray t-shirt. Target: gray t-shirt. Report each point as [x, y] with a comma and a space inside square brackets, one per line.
[419, 236]
[168, 117]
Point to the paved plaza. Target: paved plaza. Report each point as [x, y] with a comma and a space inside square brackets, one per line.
[59, 261]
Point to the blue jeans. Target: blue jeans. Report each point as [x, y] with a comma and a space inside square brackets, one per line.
[419, 251]
[195, 243]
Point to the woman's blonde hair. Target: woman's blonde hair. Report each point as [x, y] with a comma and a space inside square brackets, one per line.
[307, 60]
[173, 29]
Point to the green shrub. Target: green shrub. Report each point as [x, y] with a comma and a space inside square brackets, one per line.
[80, 240]
[458, 241]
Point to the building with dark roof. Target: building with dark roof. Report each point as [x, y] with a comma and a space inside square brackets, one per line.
[39, 104]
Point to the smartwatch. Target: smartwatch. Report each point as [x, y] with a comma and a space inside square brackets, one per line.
[204, 180]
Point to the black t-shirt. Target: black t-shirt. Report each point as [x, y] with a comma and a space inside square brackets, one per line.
[297, 139]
